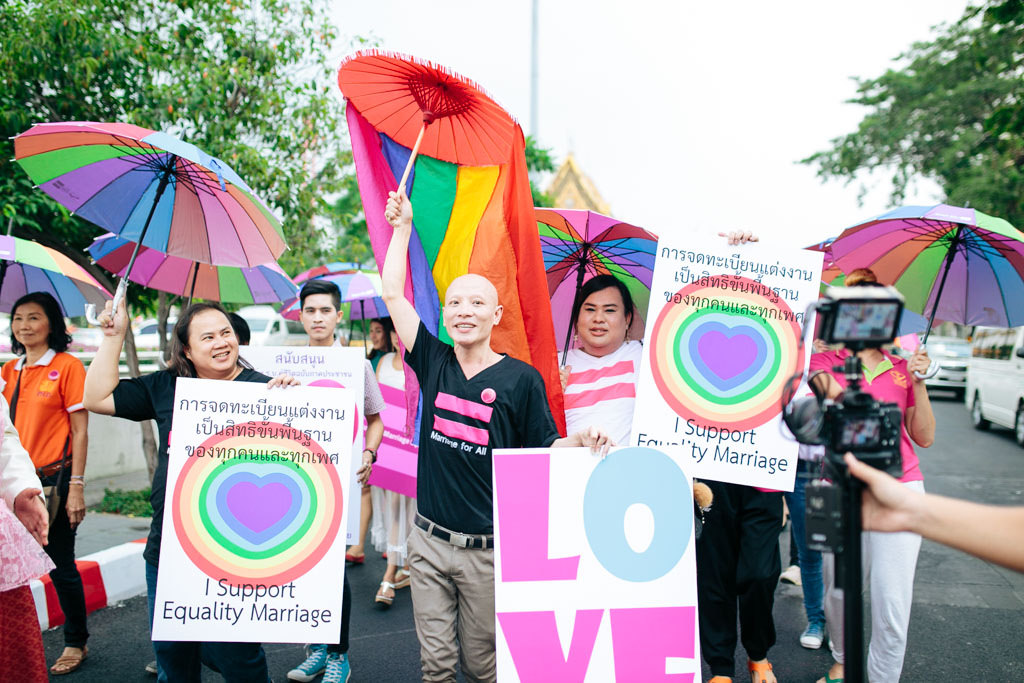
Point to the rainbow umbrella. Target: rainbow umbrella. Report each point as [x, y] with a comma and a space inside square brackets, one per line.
[153, 189]
[27, 266]
[154, 269]
[949, 262]
[577, 245]
[369, 309]
[354, 286]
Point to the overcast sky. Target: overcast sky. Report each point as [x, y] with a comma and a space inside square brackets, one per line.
[687, 116]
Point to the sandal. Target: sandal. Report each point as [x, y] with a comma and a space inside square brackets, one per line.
[761, 672]
[720, 679]
[66, 663]
[402, 579]
[829, 679]
[381, 601]
[355, 559]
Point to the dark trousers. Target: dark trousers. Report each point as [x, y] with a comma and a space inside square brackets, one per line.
[182, 661]
[66, 579]
[346, 610]
[738, 563]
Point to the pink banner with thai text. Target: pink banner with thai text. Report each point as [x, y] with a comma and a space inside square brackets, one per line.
[395, 469]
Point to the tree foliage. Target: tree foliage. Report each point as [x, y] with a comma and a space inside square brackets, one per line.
[249, 82]
[953, 113]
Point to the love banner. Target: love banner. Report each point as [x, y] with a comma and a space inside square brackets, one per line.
[594, 566]
[322, 366]
[722, 339]
[257, 481]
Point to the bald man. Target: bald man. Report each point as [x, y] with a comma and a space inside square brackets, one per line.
[474, 400]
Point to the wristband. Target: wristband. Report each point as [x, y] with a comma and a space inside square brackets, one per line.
[77, 482]
[373, 453]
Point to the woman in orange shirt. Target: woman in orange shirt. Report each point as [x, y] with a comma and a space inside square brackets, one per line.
[44, 389]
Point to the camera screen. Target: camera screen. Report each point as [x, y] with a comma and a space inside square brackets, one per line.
[861, 321]
[862, 432]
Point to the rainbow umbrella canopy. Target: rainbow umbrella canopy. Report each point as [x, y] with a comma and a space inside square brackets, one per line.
[153, 189]
[229, 284]
[473, 210]
[577, 245]
[949, 262]
[27, 266]
[354, 285]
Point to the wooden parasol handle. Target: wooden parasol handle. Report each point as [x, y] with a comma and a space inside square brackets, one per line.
[412, 157]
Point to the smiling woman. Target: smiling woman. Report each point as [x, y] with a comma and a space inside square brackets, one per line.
[599, 378]
[204, 345]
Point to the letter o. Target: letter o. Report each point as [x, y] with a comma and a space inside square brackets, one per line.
[651, 478]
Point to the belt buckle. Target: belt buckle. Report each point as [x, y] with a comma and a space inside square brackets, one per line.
[460, 540]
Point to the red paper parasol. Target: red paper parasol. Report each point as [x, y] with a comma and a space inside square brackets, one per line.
[425, 106]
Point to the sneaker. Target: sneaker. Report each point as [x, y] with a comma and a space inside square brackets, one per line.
[151, 668]
[316, 660]
[338, 670]
[791, 575]
[813, 636]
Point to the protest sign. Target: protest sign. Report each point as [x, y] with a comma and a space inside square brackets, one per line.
[395, 469]
[722, 339]
[595, 570]
[257, 481]
[322, 366]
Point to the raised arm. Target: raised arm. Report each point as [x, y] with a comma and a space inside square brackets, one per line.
[102, 377]
[407, 321]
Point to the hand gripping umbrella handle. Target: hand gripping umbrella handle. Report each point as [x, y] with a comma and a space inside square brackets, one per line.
[90, 309]
[932, 370]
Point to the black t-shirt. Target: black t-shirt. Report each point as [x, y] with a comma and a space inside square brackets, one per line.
[151, 397]
[504, 406]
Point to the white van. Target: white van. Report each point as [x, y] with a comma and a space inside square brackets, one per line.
[267, 328]
[995, 379]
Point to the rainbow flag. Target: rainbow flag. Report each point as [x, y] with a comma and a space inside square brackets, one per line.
[467, 219]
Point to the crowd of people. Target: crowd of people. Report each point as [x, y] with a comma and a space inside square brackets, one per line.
[441, 543]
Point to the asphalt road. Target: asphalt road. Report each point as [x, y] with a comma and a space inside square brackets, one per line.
[967, 621]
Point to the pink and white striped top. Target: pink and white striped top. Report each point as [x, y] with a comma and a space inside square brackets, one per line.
[601, 391]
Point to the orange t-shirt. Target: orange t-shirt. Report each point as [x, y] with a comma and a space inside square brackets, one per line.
[51, 389]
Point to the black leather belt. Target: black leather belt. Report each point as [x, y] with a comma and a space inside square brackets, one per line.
[454, 537]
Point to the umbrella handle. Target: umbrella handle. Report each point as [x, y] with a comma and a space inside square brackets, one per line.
[412, 158]
[90, 309]
[933, 369]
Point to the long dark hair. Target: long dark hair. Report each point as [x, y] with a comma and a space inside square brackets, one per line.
[58, 339]
[596, 284]
[179, 364]
[389, 327]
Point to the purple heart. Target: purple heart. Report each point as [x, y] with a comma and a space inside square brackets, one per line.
[259, 507]
[727, 355]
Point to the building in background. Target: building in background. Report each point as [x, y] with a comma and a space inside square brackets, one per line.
[572, 189]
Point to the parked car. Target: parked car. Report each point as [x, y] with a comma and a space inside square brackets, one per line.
[995, 379]
[952, 354]
[146, 337]
[267, 328]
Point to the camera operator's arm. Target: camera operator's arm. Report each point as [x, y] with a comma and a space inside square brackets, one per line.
[995, 534]
[920, 420]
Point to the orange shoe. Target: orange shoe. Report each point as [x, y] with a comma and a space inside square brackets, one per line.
[761, 672]
[720, 679]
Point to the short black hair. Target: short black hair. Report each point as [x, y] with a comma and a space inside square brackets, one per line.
[58, 339]
[320, 286]
[242, 330]
[596, 284]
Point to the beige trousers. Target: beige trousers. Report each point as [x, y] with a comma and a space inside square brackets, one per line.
[453, 607]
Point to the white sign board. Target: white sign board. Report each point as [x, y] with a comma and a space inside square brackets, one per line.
[257, 479]
[322, 366]
[595, 569]
[722, 339]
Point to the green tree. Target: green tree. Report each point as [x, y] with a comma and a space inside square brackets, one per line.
[952, 112]
[249, 82]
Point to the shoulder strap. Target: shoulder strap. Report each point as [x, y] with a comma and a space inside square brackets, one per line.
[17, 390]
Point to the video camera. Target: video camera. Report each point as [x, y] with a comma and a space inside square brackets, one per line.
[858, 318]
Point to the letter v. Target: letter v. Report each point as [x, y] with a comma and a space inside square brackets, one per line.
[533, 642]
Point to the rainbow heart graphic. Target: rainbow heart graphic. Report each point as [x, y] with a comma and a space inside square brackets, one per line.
[246, 510]
[722, 353]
